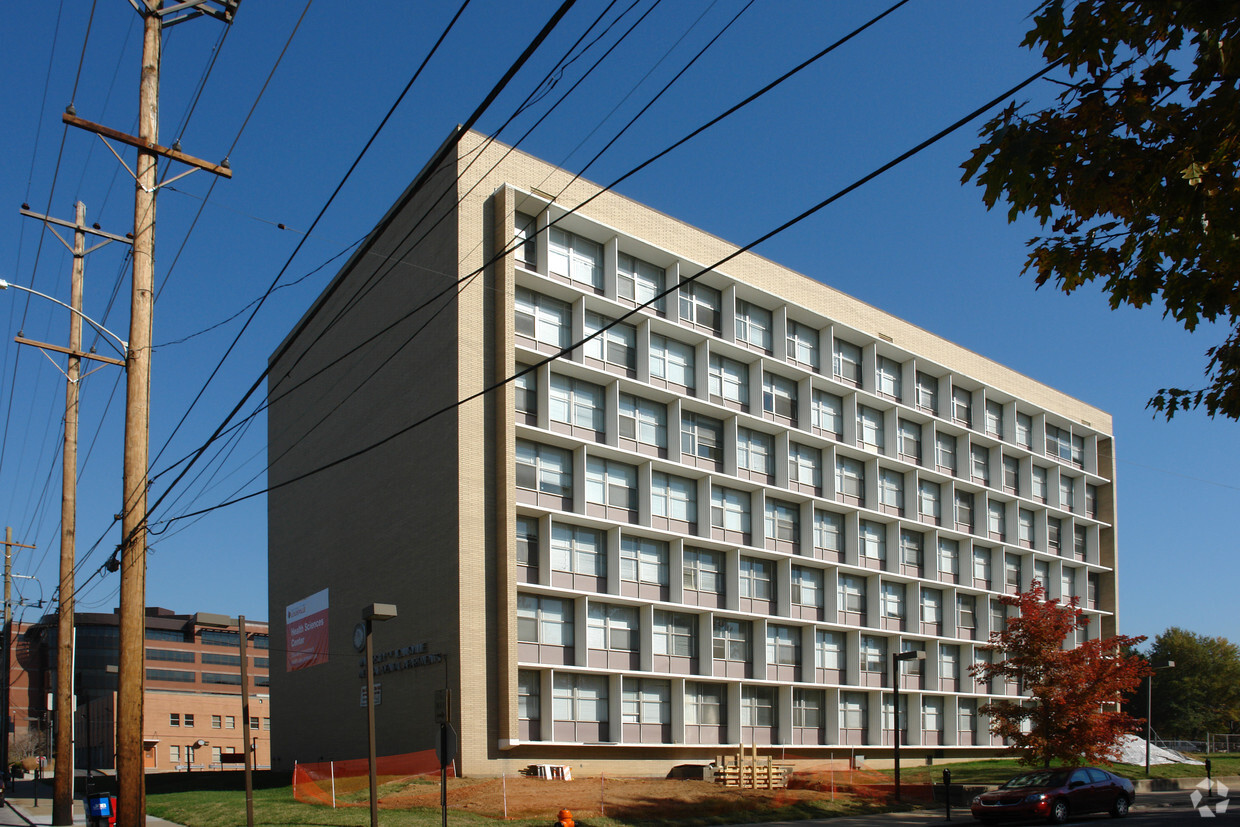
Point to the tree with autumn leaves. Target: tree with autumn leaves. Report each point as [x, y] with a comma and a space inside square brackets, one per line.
[1071, 712]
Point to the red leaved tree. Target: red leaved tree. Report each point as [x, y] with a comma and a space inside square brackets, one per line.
[1072, 713]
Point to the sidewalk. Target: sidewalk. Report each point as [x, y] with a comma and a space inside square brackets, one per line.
[20, 810]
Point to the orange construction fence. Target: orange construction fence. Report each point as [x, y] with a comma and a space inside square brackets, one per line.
[347, 783]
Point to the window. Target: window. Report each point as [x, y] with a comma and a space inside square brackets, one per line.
[1058, 443]
[802, 344]
[783, 522]
[175, 656]
[174, 753]
[1011, 475]
[1078, 451]
[1080, 541]
[928, 392]
[699, 306]
[643, 561]
[931, 606]
[949, 557]
[675, 633]
[188, 719]
[674, 498]
[1024, 430]
[576, 403]
[909, 447]
[966, 611]
[578, 550]
[525, 228]
[829, 531]
[932, 718]
[217, 722]
[998, 616]
[807, 709]
[254, 723]
[753, 325]
[1024, 527]
[755, 578]
[525, 393]
[527, 544]
[643, 421]
[703, 570]
[733, 640]
[828, 414]
[783, 645]
[887, 377]
[638, 281]
[854, 712]
[612, 628]
[543, 468]
[528, 692]
[758, 706]
[807, 587]
[229, 722]
[847, 362]
[996, 520]
[1091, 501]
[542, 318]
[611, 483]
[1094, 584]
[980, 464]
[755, 451]
[729, 380]
[804, 465]
[1011, 573]
[873, 653]
[962, 407]
[646, 701]
[701, 436]
[964, 511]
[574, 258]
[829, 650]
[994, 419]
[1042, 572]
[545, 620]
[1067, 490]
[174, 719]
[911, 546]
[945, 453]
[617, 345]
[672, 361]
[850, 481]
[872, 537]
[779, 397]
[981, 568]
[891, 491]
[892, 601]
[579, 698]
[704, 704]
[851, 594]
[1053, 525]
[929, 502]
[729, 509]
[1067, 587]
[221, 660]
[966, 719]
[870, 427]
[219, 637]
[1039, 483]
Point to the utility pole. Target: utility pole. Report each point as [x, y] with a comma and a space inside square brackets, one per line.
[245, 727]
[130, 777]
[62, 790]
[8, 642]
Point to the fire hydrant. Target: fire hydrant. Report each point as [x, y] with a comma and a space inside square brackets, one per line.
[565, 819]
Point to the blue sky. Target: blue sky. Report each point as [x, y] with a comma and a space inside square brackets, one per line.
[913, 242]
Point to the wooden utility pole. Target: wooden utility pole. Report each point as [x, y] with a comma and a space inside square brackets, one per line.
[8, 641]
[245, 727]
[62, 790]
[130, 774]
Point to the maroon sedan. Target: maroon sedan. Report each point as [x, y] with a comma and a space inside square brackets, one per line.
[1056, 795]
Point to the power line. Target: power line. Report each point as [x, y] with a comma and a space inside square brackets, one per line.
[673, 288]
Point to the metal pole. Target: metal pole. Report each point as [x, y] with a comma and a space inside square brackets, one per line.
[8, 667]
[62, 782]
[895, 715]
[130, 775]
[370, 727]
[1149, 706]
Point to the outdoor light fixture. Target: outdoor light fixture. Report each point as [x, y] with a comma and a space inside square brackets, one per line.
[1149, 710]
[896, 659]
[362, 634]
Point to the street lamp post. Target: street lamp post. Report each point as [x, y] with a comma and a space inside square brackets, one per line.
[373, 612]
[896, 659]
[1149, 711]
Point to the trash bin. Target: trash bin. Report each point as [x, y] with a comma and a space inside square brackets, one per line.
[101, 811]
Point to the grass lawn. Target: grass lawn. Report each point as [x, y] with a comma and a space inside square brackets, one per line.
[998, 770]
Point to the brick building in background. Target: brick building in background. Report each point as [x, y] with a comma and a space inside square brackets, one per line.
[192, 691]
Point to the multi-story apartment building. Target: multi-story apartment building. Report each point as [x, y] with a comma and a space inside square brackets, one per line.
[192, 691]
[712, 522]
